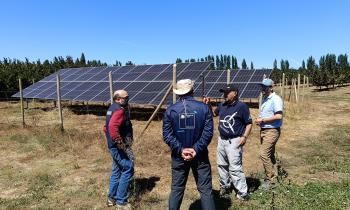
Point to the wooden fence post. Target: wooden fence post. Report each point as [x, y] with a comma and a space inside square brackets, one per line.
[21, 100]
[110, 86]
[174, 83]
[59, 102]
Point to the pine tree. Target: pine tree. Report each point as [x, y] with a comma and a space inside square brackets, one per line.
[82, 60]
[178, 60]
[275, 65]
[251, 65]
[244, 64]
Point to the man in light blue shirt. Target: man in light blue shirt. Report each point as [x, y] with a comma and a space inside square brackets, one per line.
[270, 122]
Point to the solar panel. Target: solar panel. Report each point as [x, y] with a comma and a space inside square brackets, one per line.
[247, 82]
[146, 84]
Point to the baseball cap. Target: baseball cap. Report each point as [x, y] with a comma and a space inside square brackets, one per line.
[267, 82]
[228, 88]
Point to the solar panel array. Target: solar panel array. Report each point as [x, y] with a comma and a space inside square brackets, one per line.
[146, 84]
[247, 82]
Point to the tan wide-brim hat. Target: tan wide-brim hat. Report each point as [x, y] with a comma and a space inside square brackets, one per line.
[183, 86]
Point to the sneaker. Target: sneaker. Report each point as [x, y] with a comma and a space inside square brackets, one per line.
[126, 206]
[110, 202]
[224, 191]
[243, 197]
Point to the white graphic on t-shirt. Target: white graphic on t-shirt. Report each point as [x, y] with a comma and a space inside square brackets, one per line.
[229, 121]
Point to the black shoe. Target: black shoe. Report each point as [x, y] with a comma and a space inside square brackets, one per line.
[224, 191]
[244, 197]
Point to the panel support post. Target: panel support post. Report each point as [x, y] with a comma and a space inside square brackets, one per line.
[228, 76]
[59, 102]
[110, 86]
[304, 80]
[283, 83]
[298, 87]
[174, 82]
[21, 100]
[203, 86]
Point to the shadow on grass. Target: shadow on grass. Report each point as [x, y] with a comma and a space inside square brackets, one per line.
[144, 185]
[225, 202]
[253, 184]
[222, 203]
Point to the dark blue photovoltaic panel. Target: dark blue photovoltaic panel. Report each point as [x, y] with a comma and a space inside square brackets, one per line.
[159, 68]
[243, 76]
[215, 76]
[198, 91]
[147, 76]
[194, 75]
[164, 76]
[252, 90]
[141, 97]
[118, 85]
[141, 69]
[103, 96]
[146, 83]
[155, 86]
[130, 76]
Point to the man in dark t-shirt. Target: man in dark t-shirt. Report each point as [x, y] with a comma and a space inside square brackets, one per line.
[235, 125]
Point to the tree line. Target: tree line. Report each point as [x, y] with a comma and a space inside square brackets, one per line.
[330, 71]
[220, 62]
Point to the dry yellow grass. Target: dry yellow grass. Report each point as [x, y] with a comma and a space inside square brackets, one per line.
[74, 167]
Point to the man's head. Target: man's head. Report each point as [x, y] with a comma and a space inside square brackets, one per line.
[184, 87]
[121, 97]
[230, 93]
[266, 86]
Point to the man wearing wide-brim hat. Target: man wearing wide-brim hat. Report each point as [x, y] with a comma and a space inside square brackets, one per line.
[188, 130]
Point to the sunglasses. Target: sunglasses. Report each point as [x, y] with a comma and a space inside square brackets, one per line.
[125, 98]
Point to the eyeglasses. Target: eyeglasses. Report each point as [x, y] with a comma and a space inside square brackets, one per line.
[125, 98]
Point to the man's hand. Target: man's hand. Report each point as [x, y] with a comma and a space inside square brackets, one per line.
[188, 154]
[242, 141]
[206, 100]
[258, 121]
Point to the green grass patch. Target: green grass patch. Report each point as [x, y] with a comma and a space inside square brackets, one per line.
[39, 186]
[314, 195]
[330, 152]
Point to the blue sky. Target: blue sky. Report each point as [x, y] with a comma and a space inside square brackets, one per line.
[160, 31]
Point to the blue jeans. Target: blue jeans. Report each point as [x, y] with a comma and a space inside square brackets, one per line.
[121, 177]
[202, 174]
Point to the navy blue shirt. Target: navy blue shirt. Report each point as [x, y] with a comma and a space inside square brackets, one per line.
[233, 119]
[188, 124]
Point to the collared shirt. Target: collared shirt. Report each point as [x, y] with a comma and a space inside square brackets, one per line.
[269, 107]
[233, 119]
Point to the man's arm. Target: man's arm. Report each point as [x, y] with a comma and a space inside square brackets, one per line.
[278, 112]
[114, 125]
[207, 133]
[169, 136]
[276, 116]
[247, 120]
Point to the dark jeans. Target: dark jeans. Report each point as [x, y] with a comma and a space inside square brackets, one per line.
[202, 174]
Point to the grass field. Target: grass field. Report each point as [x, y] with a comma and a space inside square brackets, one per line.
[42, 168]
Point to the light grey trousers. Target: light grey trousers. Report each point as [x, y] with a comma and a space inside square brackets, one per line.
[229, 160]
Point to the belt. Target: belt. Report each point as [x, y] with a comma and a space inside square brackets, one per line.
[263, 129]
[228, 138]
